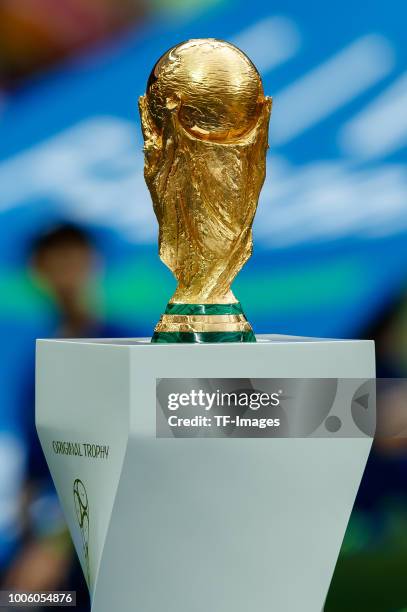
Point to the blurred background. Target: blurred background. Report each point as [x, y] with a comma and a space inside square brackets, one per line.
[78, 252]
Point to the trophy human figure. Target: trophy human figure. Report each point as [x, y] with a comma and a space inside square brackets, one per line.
[205, 126]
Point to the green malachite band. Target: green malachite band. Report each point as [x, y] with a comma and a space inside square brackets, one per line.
[201, 337]
[204, 309]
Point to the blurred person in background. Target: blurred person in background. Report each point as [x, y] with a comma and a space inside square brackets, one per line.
[63, 261]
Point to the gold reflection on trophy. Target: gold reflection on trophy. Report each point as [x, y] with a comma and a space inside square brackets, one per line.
[205, 126]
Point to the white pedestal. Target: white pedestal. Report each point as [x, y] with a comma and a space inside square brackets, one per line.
[198, 524]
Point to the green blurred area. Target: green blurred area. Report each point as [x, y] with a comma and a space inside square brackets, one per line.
[370, 575]
[142, 287]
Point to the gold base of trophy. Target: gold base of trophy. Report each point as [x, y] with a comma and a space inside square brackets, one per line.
[203, 323]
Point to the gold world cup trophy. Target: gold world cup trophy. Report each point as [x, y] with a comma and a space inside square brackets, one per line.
[205, 126]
